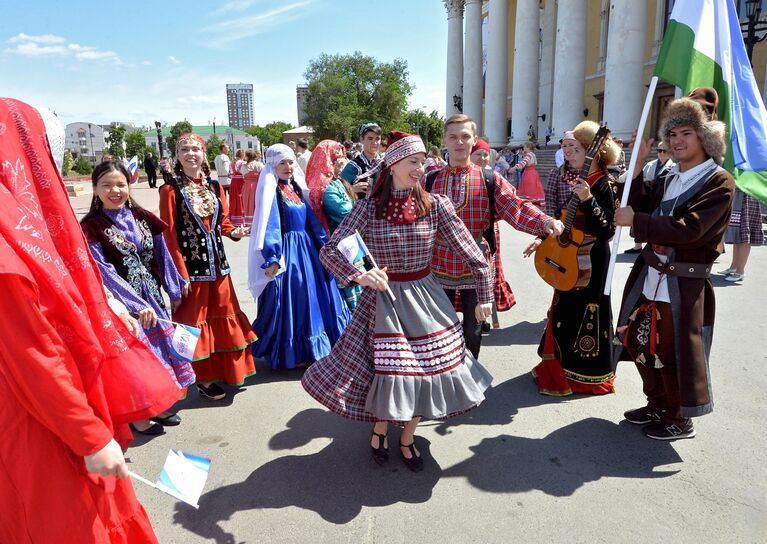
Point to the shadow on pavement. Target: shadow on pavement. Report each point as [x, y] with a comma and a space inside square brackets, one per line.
[502, 403]
[522, 333]
[565, 460]
[336, 483]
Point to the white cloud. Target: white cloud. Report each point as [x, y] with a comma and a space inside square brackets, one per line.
[31, 49]
[43, 38]
[29, 46]
[232, 30]
[147, 63]
[174, 60]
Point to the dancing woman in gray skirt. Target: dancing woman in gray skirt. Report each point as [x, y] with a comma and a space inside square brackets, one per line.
[402, 358]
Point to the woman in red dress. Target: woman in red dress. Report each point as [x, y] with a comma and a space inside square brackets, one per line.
[195, 210]
[530, 185]
[72, 375]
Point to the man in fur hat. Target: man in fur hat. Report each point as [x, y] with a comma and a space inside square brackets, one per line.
[667, 313]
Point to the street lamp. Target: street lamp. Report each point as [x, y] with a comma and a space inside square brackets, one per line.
[90, 133]
[458, 103]
[754, 29]
[158, 125]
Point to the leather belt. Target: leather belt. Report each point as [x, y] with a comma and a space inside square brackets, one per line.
[675, 268]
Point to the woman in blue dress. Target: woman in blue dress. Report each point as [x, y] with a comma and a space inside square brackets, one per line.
[127, 244]
[300, 310]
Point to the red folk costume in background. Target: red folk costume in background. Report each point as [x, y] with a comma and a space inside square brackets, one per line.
[198, 217]
[235, 193]
[73, 376]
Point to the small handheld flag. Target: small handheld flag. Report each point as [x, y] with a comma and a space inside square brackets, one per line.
[132, 167]
[183, 476]
[353, 248]
[184, 340]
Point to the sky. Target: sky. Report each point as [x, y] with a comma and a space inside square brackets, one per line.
[170, 61]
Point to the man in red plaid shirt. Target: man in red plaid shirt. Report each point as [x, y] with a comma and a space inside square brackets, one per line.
[464, 183]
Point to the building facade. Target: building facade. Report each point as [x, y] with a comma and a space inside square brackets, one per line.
[239, 103]
[301, 92]
[236, 138]
[86, 139]
[523, 67]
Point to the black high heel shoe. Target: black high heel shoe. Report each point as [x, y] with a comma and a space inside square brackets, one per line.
[381, 453]
[415, 462]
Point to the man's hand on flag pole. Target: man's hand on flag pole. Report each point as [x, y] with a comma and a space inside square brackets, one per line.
[375, 278]
[624, 217]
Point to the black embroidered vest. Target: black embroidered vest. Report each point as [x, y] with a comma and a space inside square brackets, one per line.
[136, 267]
[196, 241]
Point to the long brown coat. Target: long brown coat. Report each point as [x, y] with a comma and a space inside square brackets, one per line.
[694, 234]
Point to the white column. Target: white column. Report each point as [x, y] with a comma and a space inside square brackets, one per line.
[472, 63]
[624, 71]
[546, 88]
[495, 78]
[569, 65]
[524, 90]
[454, 55]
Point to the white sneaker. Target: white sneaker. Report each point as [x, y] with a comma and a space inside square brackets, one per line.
[734, 276]
[726, 272]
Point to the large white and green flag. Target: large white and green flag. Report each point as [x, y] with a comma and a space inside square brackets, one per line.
[703, 47]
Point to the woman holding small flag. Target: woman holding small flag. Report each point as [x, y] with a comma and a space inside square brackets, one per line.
[197, 215]
[127, 244]
[403, 357]
[300, 310]
[72, 375]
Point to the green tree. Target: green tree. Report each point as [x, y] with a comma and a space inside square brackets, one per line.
[182, 127]
[214, 142]
[270, 133]
[345, 90]
[115, 140]
[66, 168]
[135, 144]
[429, 126]
[83, 166]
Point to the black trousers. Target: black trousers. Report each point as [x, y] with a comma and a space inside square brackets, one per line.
[472, 338]
[152, 177]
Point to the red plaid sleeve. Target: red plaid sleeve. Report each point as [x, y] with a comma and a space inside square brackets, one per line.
[521, 214]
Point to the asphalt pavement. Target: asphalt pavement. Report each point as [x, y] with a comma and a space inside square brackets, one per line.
[520, 468]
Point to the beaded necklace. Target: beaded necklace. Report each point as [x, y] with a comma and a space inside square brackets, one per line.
[200, 196]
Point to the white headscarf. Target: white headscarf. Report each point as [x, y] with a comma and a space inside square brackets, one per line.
[266, 191]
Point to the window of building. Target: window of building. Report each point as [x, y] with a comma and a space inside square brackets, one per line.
[237, 145]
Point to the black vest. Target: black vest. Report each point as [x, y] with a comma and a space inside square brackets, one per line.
[194, 239]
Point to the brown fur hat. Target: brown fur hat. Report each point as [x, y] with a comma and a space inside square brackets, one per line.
[688, 112]
[610, 152]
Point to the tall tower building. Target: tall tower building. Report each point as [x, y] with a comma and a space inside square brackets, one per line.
[301, 92]
[239, 101]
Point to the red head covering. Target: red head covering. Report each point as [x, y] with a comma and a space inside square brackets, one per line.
[320, 172]
[41, 241]
[481, 144]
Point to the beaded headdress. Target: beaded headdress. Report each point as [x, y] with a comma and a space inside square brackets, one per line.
[190, 138]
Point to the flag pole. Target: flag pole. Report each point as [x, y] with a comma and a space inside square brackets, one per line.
[373, 262]
[629, 178]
